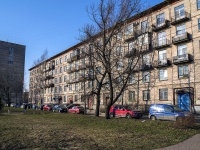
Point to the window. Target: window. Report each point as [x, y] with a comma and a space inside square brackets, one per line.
[65, 78]
[60, 79]
[146, 76]
[82, 98]
[76, 98]
[65, 58]
[129, 29]
[180, 30]
[130, 46]
[162, 56]
[146, 95]
[65, 99]
[56, 80]
[119, 65]
[144, 26]
[182, 50]
[56, 62]
[182, 71]
[70, 87]
[76, 86]
[56, 71]
[146, 59]
[60, 69]
[179, 12]
[198, 4]
[163, 94]
[65, 68]
[65, 88]
[60, 88]
[61, 60]
[161, 38]
[199, 24]
[89, 84]
[120, 97]
[118, 50]
[163, 74]
[131, 95]
[131, 79]
[56, 90]
[160, 19]
[143, 39]
[98, 70]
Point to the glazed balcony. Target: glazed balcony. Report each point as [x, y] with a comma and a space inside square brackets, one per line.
[184, 37]
[181, 59]
[179, 18]
[133, 52]
[161, 26]
[161, 63]
[161, 44]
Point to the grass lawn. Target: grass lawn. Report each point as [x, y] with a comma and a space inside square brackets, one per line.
[44, 130]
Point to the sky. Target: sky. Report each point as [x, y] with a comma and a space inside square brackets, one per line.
[40, 25]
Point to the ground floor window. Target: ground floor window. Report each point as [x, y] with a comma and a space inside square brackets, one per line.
[131, 95]
[76, 98]
[182, 71]
[163, 94]
[146, 95]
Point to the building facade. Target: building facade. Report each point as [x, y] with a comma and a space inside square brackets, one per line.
[170, 51]
[12, 61]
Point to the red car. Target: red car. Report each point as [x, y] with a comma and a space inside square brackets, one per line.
[76, 110]
[124, 111]
[47, 107]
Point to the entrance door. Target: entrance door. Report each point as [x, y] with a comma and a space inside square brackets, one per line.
[184, 101]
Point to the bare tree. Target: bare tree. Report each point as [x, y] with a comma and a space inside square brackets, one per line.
[38, 82]
[113, 39]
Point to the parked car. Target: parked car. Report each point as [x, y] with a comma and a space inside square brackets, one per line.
[166, 112]
[76, 110]
[48, 107]
[125, 111]
[60, 108]
[72, 105]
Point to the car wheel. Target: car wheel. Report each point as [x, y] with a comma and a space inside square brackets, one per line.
[128, 116]
[111, 115]
[153, 117]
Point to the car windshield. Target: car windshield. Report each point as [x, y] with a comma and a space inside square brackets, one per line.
[129, 107]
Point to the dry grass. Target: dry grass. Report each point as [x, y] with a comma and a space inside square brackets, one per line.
[39, 130]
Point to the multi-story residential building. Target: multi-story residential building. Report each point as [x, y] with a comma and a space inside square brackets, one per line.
[168, 35]
[12, 60]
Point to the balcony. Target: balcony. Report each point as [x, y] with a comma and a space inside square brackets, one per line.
[82, 66]
[161, 44]
[130, 37]
[88, 65]
[75, 57]
[49, 77]
[146, 67]
[81, 77]
[181, 38]
[161, 63]
[51, 67]
[83, 55]
[69, 70]
[132, 53]
[179, 18]
[69, 60]
[143, 31]
[51, 85]
[161, 26]
[145, 48]
[181, 59]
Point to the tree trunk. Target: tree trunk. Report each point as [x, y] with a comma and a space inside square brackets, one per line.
[97, 105]
[107, 115]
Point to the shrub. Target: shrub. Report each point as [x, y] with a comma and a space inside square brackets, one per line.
[1, 105]
[184, 122]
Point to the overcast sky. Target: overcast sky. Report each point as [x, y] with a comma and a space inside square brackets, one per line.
[44, 24]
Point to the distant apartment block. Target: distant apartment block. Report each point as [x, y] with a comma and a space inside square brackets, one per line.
[12, 61]
[172, 36]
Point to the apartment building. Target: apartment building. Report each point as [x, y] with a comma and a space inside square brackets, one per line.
[12, 60]
[168, 39]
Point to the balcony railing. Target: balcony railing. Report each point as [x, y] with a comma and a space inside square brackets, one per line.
[69, 60]
[161, 43]
[181, 59]
[145, 48]
[69, 70]
[161, 26]
[181, 38]
[49, 77]
[133, 52]
[82, 66]
[143, 31]
[179, 18]
[130, 37]
[161, 63]
[146, 67]
[75, 57]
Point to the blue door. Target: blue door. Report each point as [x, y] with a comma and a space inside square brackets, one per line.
[184, 101]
